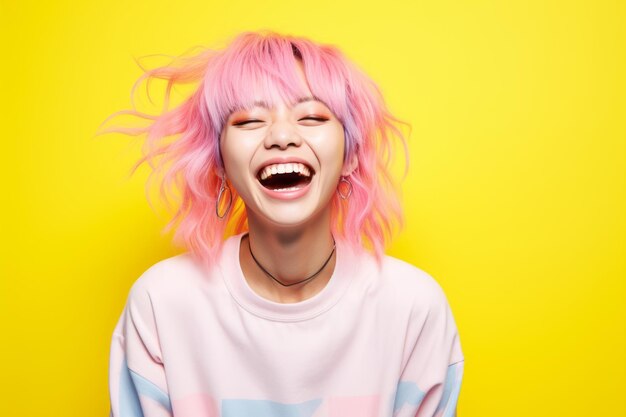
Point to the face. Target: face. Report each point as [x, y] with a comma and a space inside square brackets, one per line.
[285, 162]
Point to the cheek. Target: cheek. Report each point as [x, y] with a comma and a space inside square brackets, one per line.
[233, 168]
[236, 168]
[236, 152]
[331, 149]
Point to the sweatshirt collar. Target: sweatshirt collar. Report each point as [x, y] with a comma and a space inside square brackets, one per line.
[312, 307]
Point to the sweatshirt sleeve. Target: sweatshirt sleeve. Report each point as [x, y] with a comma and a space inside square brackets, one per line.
[137, 383]
[431, 380]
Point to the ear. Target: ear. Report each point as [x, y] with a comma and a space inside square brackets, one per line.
[350, 165]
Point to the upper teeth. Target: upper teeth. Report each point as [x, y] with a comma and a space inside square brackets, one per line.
[285, 169]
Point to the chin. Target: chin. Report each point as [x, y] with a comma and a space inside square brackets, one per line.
[294, 220]
[291, 217]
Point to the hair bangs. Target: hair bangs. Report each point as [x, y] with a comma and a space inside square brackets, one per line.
[182, 143]
[250, 73]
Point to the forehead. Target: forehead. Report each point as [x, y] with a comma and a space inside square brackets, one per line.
[270, 105]
[259, 79]
[268, 90]
[248, 87]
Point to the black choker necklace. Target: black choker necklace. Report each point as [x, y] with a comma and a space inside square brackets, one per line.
[295, 283]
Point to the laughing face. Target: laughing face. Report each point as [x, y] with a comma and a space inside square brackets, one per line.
[284, 161]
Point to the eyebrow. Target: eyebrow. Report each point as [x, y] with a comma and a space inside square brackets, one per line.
[265, 105]
[257, 103]
[300, 100]
[308, 98]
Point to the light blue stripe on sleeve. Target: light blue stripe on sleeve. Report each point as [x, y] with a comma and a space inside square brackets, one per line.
[129, 399]
[408, 393]
[149, 389]
[451, 389]
[131, 386]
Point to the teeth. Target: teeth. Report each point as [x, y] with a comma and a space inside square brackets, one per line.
[285, 168]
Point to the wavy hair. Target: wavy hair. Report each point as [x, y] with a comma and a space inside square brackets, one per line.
[182, 143]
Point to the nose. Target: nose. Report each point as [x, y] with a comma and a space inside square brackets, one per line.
[282, 134]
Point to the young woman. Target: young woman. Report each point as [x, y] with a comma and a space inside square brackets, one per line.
[283, 148]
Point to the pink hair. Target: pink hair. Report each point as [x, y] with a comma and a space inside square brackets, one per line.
[184, 141]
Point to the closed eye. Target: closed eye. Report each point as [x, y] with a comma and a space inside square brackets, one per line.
[319, 119]
[246, 122]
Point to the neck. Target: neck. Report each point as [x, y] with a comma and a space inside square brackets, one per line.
[290, 255]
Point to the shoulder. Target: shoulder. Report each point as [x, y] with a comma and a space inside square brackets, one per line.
[177, 275]
[410, 283]
[163, 273]
[425, 306]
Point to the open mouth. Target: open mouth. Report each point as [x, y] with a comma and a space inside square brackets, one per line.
[285, 177]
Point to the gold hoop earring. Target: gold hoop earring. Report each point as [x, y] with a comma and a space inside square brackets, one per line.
[223, 188]
[344, 196]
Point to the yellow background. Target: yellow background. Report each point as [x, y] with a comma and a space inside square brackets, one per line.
[515, 199]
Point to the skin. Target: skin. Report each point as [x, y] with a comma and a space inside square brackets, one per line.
[291, 237]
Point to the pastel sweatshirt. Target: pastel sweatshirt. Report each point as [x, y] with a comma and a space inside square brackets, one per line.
[377, 341]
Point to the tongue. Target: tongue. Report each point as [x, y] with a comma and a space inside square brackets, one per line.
[290, 180]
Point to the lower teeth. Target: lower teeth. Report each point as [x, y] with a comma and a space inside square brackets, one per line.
[287, 189]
